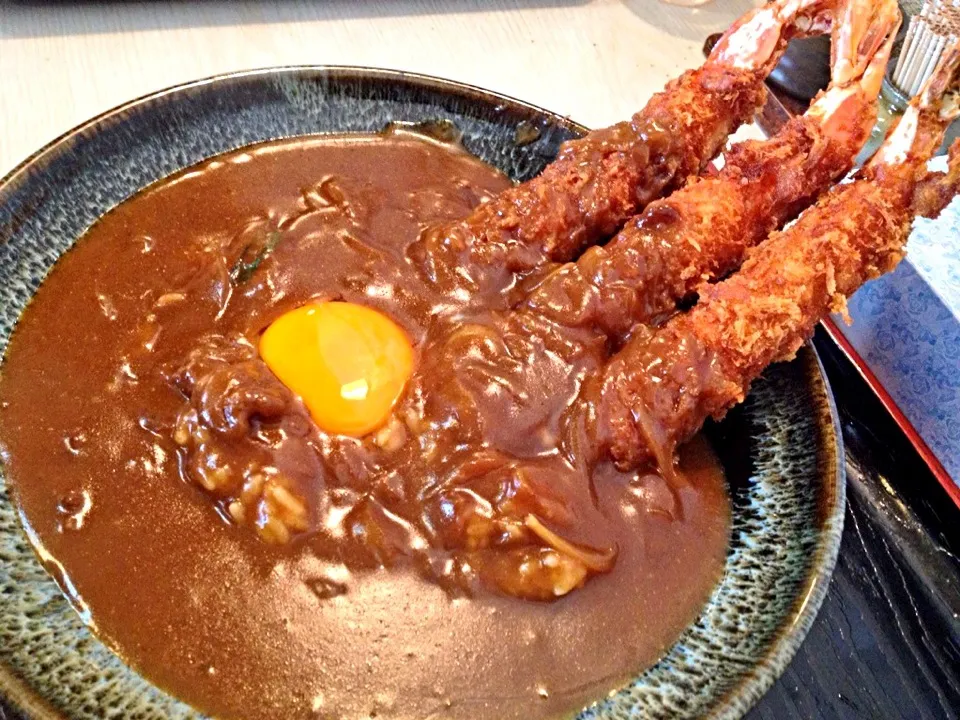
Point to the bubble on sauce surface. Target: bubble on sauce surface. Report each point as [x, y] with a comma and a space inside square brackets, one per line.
[74, 442]
[326, 588]
[72, 510]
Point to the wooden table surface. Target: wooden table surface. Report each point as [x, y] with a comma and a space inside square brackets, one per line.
[886, 643]
[597, 61]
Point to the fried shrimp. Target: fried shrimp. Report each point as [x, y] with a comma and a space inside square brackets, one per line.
[598, 182]
[701, 232]
[665, 383]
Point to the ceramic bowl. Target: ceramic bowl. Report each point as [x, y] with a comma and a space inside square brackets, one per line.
[781, 450]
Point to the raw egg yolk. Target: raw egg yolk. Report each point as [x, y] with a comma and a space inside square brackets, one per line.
[348, 363]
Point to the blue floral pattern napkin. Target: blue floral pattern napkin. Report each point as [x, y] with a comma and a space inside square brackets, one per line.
[906, 327]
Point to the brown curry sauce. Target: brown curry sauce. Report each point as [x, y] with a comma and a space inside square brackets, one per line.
[332, 623]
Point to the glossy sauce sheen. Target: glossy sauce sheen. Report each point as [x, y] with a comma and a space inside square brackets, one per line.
[242, 628]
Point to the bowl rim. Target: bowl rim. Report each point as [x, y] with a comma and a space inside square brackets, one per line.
[330, 71]
[832, 499]
[833, 503]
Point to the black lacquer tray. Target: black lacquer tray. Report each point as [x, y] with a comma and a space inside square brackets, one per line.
[886, 643]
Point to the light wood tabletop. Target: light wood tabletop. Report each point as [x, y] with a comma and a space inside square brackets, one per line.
[595, 60]
[884, 644]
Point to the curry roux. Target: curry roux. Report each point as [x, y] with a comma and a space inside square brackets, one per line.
[318, 626]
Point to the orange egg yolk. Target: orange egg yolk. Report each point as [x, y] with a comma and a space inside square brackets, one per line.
[348, 363]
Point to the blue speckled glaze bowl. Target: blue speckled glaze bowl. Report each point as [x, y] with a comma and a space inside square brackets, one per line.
[781, 450]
